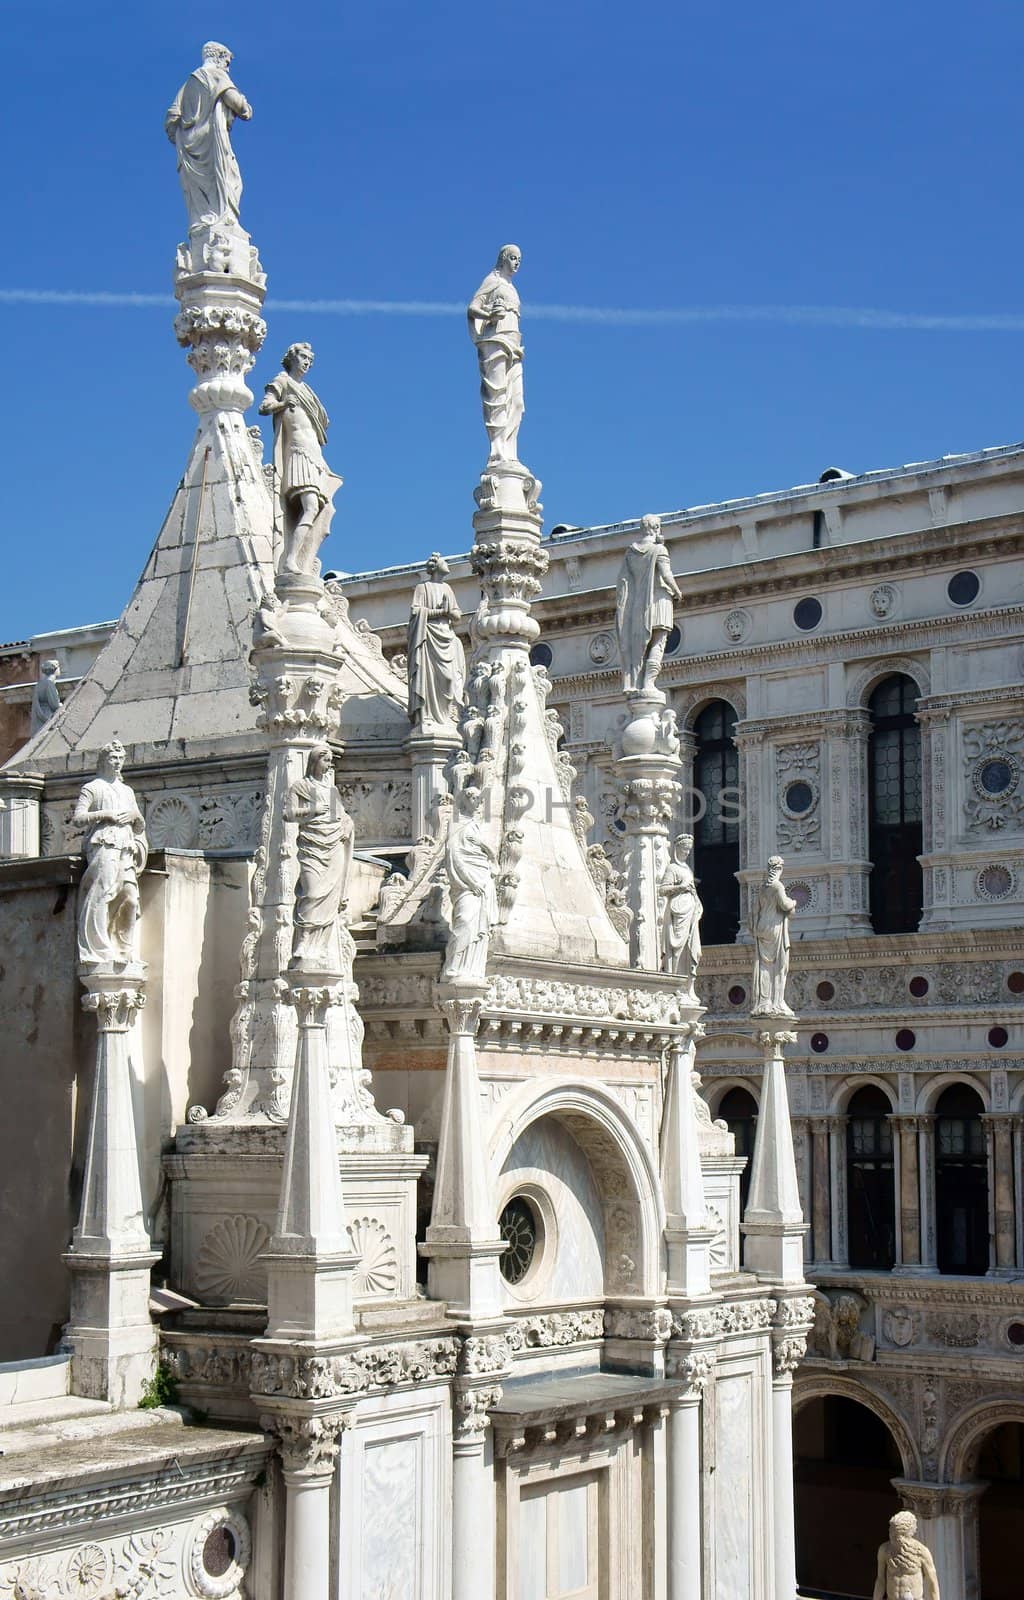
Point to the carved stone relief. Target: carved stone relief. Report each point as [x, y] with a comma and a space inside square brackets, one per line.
[993, 754]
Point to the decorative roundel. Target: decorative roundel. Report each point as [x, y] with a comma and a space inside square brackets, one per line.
[825, 991]
[963, 588]
[906, 1039]
[541, 655]
[673, 641]
[819, 1042]
[919, 987]
[995, 882]
[601, 648]
[1015, 983]
[518, 1226]
[1015, 1333]
[996, 776]
[997, 1037]
[883, 600]
[736, 624]
[802, 893]
[87, 1572]
[219, 1554]
[807, 613]
[799, 797]
[172, 823]
[737, 994]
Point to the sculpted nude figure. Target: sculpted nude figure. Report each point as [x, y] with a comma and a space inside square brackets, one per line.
[906, 1570]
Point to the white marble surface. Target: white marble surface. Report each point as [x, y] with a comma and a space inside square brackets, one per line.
[547, 1159]
[733, 1522]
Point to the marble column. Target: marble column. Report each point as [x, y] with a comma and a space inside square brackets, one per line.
[789, 1342]
[1018, 1179]
[947, 1522]
[821, 1207]
[802, 1152]
[19, 815]
[474, 1497]
[309, 1453]
[926, 1181]
[838, 1198]
[111, 1333]
[695, 1367]
[656, 1503]
[647, 769]
[846, 733]
[429, 756]
[999, 1134]
[463, 1244]
[938, 873]
[907, 1129]
[773, 1225]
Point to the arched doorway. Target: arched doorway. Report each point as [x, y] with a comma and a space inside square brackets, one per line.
[1001, 1466]
[738, 1109]
[870, 1181]
[961, 1182]
[894, 807]
[844, 1461]
[716, 831]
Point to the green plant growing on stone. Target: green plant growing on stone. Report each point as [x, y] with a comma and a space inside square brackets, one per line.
[159, 1390]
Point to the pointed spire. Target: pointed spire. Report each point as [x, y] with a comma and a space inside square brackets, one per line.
[773, 1222]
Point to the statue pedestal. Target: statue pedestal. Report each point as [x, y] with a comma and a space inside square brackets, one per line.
[773, 1224]
[110, 1331]
[688, 1235]
[430, 751]
[648, 770]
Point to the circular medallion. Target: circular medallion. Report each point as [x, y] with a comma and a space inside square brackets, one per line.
[601, 649]
[995, 882]
[518, 1227]
[219, 1554]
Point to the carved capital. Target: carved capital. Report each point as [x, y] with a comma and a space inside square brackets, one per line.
[301, 703]
[313, 1001]
[115, 1010]
[470, 1421]
[461, 1004]
[308, 1445]
[787, 1353]
[774, 1038]
[695, 1369]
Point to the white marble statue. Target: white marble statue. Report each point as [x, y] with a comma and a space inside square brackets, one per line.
[470, 864]
[199, 126]
[643, 608]
[436, 659]
[906, 1570]
[772, 911]
[493, 316]
[305, 483]
[115, 849]
[681, 946]
[324, 851]
[45, 697]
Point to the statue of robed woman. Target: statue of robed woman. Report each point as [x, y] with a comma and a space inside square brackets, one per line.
[470, 864]
[437, 661]
[324, 851]
[772, 911]
[199, 126]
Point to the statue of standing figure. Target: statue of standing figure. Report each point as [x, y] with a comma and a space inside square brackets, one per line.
[437, 661]
[681, 946]
[199, 126]
[470, 864]
[324, 850]
[116, 851]
[305, 483]
[45, 697]
[643, 608]
[906, 1570]
[493, 316]
[772, 911]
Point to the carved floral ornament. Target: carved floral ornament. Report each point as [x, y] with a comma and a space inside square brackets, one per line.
[994, 762]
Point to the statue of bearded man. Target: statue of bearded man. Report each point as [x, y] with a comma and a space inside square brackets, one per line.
[906, 1570]
[199, 127]
[643, 608]
[437, 661]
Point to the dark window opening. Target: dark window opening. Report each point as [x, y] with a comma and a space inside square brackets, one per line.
[739, 1110]
[870, 1181]
[961, 1183]
[716, 833]
[894, 807]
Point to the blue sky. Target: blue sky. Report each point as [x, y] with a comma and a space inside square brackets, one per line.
[649, 156]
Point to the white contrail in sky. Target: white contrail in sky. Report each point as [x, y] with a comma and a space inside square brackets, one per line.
[613, 316]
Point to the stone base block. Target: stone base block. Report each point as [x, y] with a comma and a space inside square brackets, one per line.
[112, 1337]
[309, 1297]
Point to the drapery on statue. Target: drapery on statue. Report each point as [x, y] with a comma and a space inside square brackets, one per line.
[437, 661]
[115, 850]
[199, 127]
[305, 483]
[643, 608]
[906, 1570]
[470, 864]
[681, 946]
[324, 852]
[493, 316]
[45, 697]
[772, 911]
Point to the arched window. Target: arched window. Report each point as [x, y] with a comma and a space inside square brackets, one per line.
[739, 1110]
[1001, 1467]
[870, 1181]
[894, 807]
[716, 833]
[844, 1461]
[961, 1182]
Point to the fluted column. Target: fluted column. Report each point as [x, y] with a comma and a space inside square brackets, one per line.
[839, 1198]
[111, 1333]
[999, 1135]
[821, 1188]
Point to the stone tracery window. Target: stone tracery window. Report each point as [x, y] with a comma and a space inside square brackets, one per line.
[716, 850]
[895, 807]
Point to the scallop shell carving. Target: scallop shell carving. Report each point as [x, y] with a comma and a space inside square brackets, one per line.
[172, 821]
[227, 1266]
[377, 1272]
[87, 1572]
[719, 1253]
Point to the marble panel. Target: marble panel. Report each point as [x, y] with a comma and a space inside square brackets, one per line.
[733, 1508]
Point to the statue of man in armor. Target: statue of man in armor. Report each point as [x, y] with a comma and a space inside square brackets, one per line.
[305, 483]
